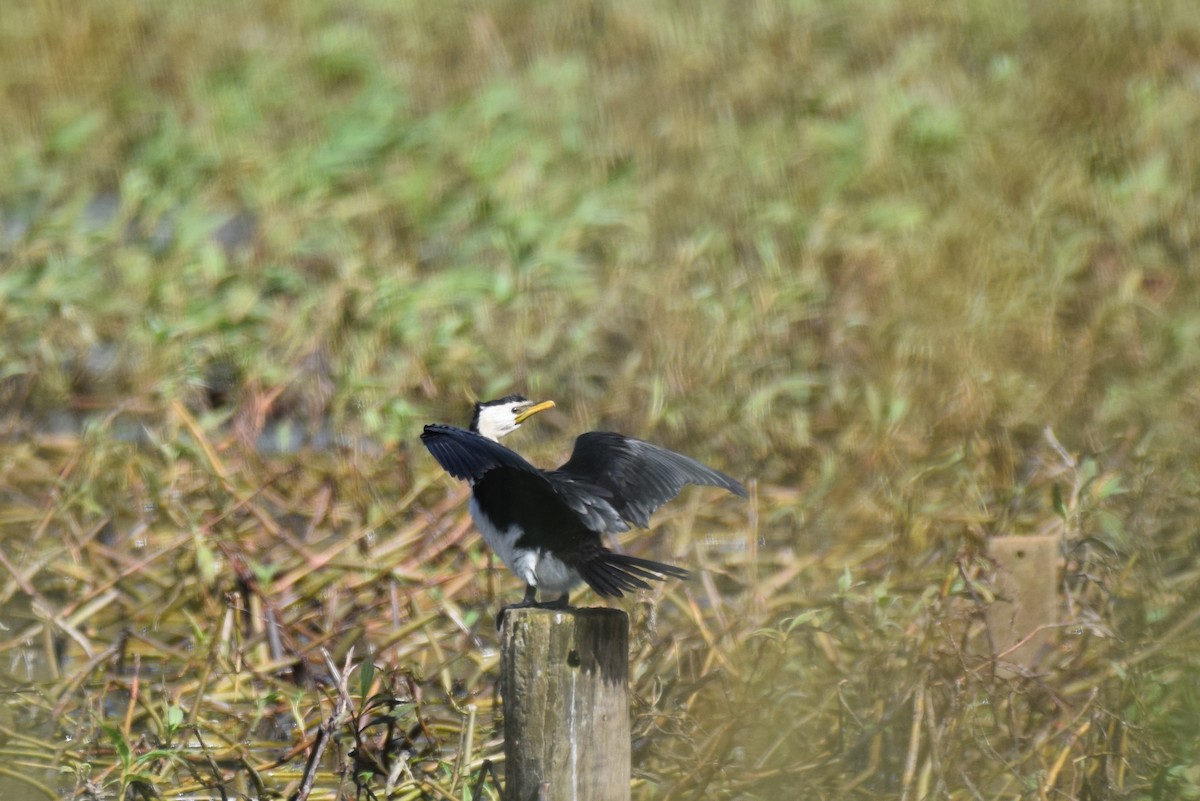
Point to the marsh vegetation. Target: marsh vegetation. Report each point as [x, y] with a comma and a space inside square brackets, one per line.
[922, 274]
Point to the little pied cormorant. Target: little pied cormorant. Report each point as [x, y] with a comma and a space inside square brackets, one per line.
[546, 525]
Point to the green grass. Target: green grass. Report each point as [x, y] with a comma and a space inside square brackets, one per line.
[924, 272]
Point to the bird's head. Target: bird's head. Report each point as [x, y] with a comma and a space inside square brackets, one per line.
[495, 418]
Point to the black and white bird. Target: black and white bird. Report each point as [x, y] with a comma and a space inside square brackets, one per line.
[547, 525]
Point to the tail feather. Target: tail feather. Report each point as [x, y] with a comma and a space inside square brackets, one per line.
[604, 584]
[613, 574]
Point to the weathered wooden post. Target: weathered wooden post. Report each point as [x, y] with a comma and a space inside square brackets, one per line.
[1027, 581]
[564, 677]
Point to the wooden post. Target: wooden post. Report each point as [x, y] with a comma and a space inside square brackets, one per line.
[1027, 582]
[564, 677]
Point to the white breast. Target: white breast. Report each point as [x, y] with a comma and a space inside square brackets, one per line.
[537, 567]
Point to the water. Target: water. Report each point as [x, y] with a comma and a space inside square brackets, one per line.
[27, 669]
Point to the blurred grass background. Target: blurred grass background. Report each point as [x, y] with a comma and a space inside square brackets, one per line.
[923, 272]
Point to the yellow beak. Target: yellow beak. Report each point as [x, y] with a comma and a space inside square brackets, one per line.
[532, 410]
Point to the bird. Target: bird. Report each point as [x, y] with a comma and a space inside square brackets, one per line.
[547, 526]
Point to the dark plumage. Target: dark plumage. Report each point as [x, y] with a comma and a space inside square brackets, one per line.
[547, 525]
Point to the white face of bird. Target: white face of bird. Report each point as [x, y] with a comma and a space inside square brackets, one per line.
[494, 419]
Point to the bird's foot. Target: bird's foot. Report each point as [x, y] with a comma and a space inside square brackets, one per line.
[506, 607]
[530, 602]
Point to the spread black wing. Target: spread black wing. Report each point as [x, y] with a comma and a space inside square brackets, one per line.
[638, 477]
[467, 456]
[470, 457]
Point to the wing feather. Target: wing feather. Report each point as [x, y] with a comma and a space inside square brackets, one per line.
[639, 477]
[468, 456]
